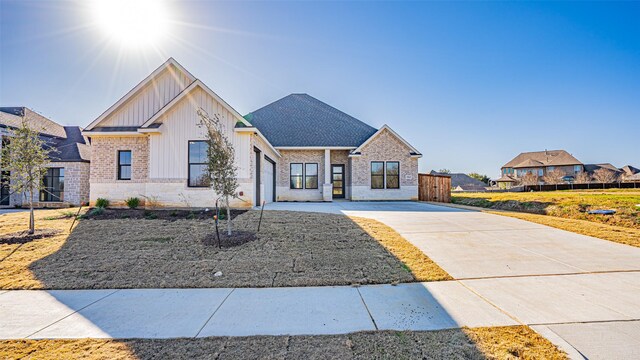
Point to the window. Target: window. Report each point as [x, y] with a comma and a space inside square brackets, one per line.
[393, 175]
[540, 172]
[295, 173]
[311, 176]
[577, 168]
[550, 168]
[124, 165]
[198, 165]
[53, 185]
[377, 175]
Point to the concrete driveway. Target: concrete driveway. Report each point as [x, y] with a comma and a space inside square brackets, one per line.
[569, 287]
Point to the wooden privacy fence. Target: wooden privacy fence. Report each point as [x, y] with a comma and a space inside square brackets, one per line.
[434, 188]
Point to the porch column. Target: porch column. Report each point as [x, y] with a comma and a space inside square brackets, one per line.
[327, 187]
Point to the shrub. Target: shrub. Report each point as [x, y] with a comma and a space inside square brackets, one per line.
[102, 203]
[97, 211]
[133, 202]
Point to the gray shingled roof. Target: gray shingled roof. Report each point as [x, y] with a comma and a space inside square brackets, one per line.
[302, 120]
[460, 179]
[71, 146]
[542, 158]
[13, 116]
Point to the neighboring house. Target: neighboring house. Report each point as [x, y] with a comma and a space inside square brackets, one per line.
[463, 182]
[538, 163]
[150, 145]
[629, 171]
[592, 168]
[67, 179]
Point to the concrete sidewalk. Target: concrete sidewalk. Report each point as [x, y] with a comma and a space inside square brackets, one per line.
[569, 287]
[166, 313]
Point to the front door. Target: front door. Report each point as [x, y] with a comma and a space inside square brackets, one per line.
[337, 179]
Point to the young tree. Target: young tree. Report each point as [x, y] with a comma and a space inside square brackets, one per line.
[554, 177]
[583, 178]
[529, 179]
[484, 178]
[221, 168]
[25, 157]
[604, 176]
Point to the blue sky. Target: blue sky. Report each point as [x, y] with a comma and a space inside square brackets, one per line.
[470, 84]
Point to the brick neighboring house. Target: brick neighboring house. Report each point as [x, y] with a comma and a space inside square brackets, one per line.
[67, 179]
[149, 145]
[538, 163]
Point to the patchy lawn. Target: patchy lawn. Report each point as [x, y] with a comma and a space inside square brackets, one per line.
[291, 249]
[478, 343]
[568, 210]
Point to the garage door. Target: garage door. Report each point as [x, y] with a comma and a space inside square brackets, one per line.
[269, 183]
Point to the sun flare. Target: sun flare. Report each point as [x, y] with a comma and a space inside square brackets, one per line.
[132, 23]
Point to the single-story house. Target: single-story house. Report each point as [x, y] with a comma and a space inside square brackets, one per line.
[149, 145]
[66, 181]
[463, 182]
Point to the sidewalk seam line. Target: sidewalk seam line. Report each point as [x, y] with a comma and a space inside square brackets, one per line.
[513, 317]
[214, 312]
[544, 275]
[76, 311]
[367, 308]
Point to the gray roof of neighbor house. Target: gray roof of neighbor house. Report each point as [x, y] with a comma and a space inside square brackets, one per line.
[593, 167]
[542, 158]
[68, 141]
[13, 116]
[302, 120]
[630, 170]
[460, 179]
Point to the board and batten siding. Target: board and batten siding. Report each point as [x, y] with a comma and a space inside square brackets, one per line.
[169, 149]
[150, 99]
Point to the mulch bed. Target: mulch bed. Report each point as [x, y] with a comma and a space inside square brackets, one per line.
[112, 214]
[237, 238]
[23, 237]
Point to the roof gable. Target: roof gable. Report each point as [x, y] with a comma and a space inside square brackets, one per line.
[300, 120]
[385, 128]
[148, 97]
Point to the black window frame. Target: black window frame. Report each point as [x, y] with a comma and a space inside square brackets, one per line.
[372, 175]
[386, 174]
[206, 184]
[291, 176]
[47, 192]
[120, 165]
[307, 176]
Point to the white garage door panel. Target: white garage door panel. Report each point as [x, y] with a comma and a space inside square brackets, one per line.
[268, 181]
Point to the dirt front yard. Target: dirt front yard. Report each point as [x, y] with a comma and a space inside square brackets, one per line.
[291, 249]
[514, 342]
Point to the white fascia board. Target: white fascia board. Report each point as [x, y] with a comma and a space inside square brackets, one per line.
[385, 126]
[110, 133]
[138, 88]
[197, 83]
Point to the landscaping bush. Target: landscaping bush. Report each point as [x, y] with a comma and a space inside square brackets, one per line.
[102, 203]
[133, 202]
[97, 211]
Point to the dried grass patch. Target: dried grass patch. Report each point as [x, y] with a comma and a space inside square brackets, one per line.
[420, 265]
[478, 343]
[622, 235]
[15, 257]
